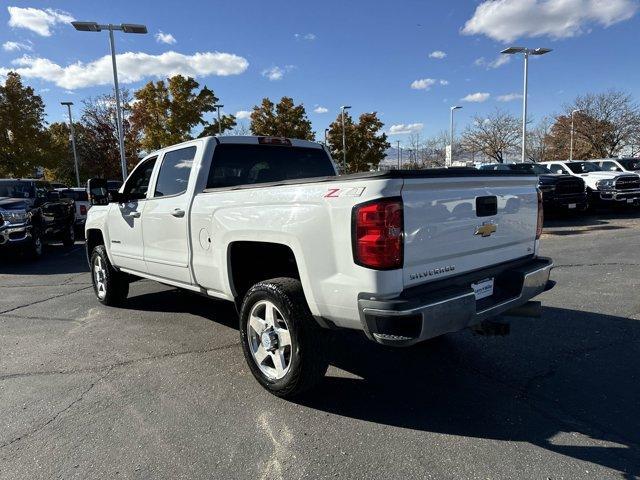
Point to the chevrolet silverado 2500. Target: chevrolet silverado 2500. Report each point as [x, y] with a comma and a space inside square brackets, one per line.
[403, 256]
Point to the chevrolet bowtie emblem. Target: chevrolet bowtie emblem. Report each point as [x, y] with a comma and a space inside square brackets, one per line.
[486, 229]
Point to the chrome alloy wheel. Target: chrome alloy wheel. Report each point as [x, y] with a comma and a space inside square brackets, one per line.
[269, 340]
[37, 245]
[99, 277]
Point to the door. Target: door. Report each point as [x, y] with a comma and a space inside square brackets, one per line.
[165, 219]
[125, 219]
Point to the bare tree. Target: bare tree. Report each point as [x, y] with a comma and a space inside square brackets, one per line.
[538, 141]
[494, 136]
[606, 122]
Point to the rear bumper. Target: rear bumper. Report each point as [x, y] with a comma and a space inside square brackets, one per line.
[425, 314]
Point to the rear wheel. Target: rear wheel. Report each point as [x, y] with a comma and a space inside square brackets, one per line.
[282, 343]
[110, 286]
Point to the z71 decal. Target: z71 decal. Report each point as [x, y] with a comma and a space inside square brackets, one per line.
[345, 192]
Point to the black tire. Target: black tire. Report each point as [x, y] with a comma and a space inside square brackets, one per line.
[69, 237]
[307, 358]
[112, 287]
[36, 246]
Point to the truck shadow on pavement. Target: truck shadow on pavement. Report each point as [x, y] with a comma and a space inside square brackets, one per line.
[568, 384]
[55, 260]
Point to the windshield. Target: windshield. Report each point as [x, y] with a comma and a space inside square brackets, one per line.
[77, 195]
[530, 167]
[583, 167]
[630, 163]
[16, 189]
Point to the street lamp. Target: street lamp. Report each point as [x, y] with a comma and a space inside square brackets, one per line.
[526, 52]
[571, 148]
[126, 28]
[218, 107]
[455, 107]
[344, 138]
[73, 141]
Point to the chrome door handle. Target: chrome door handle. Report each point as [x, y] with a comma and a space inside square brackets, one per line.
[177, 212]
[134, 214]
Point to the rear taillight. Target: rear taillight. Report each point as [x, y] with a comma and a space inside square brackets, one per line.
[83, 209]
[540, 216]
[377, 234]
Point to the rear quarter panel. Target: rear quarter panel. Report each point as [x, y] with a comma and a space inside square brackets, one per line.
[314, 220]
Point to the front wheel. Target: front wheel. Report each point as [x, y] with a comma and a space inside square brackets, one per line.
[110, 286]
[282, 344]
[69, 236]
[36, 246]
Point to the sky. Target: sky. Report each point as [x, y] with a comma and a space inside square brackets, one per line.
[408, 60]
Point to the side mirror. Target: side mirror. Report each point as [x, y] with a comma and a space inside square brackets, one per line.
[97, 191]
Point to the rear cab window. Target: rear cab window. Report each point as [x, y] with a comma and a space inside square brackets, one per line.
[246, 164]
[175, 169]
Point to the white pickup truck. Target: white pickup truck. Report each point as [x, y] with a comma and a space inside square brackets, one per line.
[403, 256]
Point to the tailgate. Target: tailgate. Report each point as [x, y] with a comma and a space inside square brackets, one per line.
[460, 224]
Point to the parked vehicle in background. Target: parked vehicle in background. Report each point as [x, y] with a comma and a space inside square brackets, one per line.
[626, 165]
[81, 200]
[114, 185]
[266, 223]
[559, 192]
[32, 213]
[57, 185]
[603, 187]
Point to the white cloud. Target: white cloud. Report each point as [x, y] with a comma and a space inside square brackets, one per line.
[16, 46]
[276, 73]
[132, 67]
[165, 38]
[243, 114]
[498, 62]
[437, 54]
[401, 128]
[305, 36]
[478, 97]
[423, 84]
[509, 97]
[427, 83]
[320, 109]
[36, 20]
[506, 20]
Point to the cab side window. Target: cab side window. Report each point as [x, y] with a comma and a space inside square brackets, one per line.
[557, 168]
[173, 177]
[138, 183]
[610, 167]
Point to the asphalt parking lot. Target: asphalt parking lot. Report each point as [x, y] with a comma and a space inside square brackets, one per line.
[159, 389]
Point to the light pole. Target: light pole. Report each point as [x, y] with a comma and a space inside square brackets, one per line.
[344, 138]
[326, 132]
[218, 107]
[398, 154]
[453, 108]
[571, 147]
[73, 141]
[126, 28]
[526, 52]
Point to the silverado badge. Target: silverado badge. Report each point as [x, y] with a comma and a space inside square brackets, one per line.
[486, 229]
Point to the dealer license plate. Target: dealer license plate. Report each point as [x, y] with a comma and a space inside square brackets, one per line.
[483, 289]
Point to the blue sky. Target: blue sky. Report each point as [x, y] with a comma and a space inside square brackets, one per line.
[326, 54]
